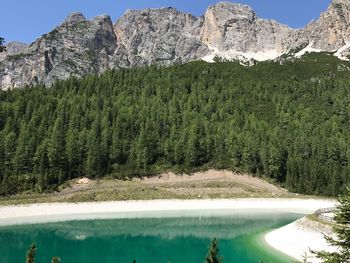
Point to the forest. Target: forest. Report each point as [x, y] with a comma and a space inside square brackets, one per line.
[288, 122]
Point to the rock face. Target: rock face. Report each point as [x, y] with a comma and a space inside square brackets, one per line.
[163, 36]
[166, 36]
[234, 31]
[76, 47]
[13, 48]
[331, 31]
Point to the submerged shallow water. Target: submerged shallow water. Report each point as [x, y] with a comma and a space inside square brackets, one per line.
[148, 240]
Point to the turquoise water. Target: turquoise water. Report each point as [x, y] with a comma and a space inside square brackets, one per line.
[147, 240]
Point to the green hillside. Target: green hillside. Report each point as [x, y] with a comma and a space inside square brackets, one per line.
[287, 121]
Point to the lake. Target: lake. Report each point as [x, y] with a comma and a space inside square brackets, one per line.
[149, 240]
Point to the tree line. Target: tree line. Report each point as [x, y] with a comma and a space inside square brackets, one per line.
[270, 120]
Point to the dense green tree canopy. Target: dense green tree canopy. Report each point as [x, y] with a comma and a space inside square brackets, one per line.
[287, 122]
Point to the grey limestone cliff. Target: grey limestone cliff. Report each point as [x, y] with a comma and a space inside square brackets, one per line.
[234, 29]
[163, 36]
[76, 47]
[12, 48]
[166, 36]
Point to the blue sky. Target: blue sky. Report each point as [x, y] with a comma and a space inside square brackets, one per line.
[26, 20]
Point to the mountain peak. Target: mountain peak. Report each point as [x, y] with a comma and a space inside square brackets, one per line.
[164, 10]
[344, 2]
[104, 18]
[75, 18]
[227, 4]
[233, 9]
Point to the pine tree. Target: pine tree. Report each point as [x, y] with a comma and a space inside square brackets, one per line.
[10, 149]
[73, 148]
[193, 151]
[41, 164]
[93, 154]
[213, 252]
[342, 231]
[21, 156]
[30, 258]
[56, 147]
[116, 151]
[106, 141]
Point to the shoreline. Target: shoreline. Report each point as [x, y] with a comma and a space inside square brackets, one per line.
[299, 237]
[291, 240]
[56, 212]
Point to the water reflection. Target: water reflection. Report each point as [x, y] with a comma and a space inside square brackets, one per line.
[143, 238]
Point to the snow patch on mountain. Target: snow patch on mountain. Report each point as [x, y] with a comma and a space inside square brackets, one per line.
[231, 54]
[308, 49]
[339, 54]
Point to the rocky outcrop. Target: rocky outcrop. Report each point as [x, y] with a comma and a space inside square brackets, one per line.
[330, 33]
[233, 31]
[74, 48]
[166, 36]
[332, 30]
[12, 48]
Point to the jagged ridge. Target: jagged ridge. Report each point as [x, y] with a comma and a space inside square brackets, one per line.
[166, 36]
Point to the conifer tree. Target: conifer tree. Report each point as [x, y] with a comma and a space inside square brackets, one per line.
[213, 253]
[342, 230]
[21, 156]
[73, 148]
[93, 156]
[56, 147]
[30, 258]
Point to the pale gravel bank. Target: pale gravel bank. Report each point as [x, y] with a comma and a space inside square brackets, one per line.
[54, 212]
[300, 237]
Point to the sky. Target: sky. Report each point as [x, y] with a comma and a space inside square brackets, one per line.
[26, 20]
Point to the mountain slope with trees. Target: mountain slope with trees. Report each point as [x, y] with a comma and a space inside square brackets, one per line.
[287, 122]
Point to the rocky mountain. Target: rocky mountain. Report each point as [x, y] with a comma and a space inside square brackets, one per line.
[76, 47]
[330, 33]
[233, 31]
[163, 36]
[13, 48]
[166, 36]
